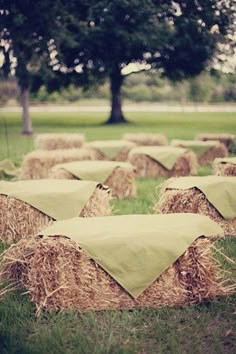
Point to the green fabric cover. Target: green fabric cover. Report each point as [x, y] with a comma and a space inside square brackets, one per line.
[219, 190]
[59, 199]
[110, 148]
[231, 160]
[135, 249]
[7, 167]
[165, 155]
[93, 170]
[199, 147]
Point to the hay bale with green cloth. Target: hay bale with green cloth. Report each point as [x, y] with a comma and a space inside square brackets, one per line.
[53, 141]
[206, 151]
[115, 150]
[159, 161]
[225, 138]
[28, 206]
[37, 163]
[225, 166]
[146, 139]
[119, 176]
[214, 196]
[7, 168]
[118, 262]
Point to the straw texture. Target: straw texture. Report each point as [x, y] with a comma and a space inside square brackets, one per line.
[121, 181]
[224, 138]
[19, 219]
[225, 167]
[53, 141]
[191, 201]
[37, 163]
[59, 275]
[114, 150]
[207, 157]
[147, 167]
[146, 139]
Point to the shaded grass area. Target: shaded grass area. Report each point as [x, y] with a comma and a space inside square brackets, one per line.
[205, 328]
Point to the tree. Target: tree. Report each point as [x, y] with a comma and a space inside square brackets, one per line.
[109, 38]
[26, 27]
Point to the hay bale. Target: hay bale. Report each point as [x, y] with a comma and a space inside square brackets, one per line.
[19, 219]
[114, 150]
[226, 139]
[191, 201]
[225, 167]
[146, 166]
[219, 150]
[58, 274]
[53, 141]
[146, 139]
[37, 163]
[119, 176]
[212, 149]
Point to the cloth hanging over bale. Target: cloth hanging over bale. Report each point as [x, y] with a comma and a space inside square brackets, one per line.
[206, 151]
[37, 163]
[119, 176]
[118, 262]
[52, 141]
[214, 196]
[224, 138]
[8, 168]
[225, 166]
[27, 206]
[146, 139]
[111, 149]
[157, 161]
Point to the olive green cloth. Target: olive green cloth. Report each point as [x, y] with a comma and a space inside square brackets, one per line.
[93, 170]
[59, 199]
[135, 249]
[165, 155]
[199, 147]
[219, 190]
[7, 167]
[110, 148]
[231, 160]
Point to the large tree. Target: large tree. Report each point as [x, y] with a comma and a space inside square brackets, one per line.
[179, 38]
[27, 29]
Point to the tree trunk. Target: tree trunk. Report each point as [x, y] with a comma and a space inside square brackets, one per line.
[116, 80]
[27, 124]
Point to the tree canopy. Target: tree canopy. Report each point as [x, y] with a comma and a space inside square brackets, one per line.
[111, 39]
[178, 38]
[26, 27]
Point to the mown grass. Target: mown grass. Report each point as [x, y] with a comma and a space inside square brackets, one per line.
[205, 328]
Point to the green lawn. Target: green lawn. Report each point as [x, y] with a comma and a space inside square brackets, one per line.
[205, 328]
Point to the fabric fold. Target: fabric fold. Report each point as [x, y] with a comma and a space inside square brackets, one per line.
[135, 249]
[59, 199]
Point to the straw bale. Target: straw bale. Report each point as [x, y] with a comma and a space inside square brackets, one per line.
[147, 167]
[19, 219]
[224, 138]
[121, 156]
[146, 139]
[219, 150]
[58, 274]
[37, 163]
[209, 156]
[224, 169]
[121, 181]
[191, 201]
[53, 141]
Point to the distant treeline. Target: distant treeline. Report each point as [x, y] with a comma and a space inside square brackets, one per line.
[145, 86]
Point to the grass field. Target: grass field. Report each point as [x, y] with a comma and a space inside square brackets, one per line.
[205, 328]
